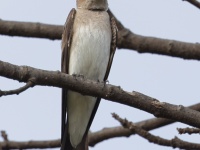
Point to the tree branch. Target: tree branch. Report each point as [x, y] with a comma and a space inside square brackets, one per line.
[126, 39]
[150, 124]
[144, 44]
[28, 29]
[106, 91]
[188, 130]
[175, 142]
[94, 137]
[30, 83]
[30, 144]
[194, 2]
[4, 136]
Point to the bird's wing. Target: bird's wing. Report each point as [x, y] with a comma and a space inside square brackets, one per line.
[66, 44]
[113, 45]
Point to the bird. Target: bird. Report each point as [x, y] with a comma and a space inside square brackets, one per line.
[88, 46]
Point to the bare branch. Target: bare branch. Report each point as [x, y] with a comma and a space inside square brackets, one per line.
[194, 2]
[175, 142]
[106, 91]
[154, 45]
[28, 29]
[144, 44]
[30, 144]
[29, 84]
[150, 124]
[95, 137]
[188, 130]
[126, 39]
[4, 135]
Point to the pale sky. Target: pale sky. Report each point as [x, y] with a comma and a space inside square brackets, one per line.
[35, 114]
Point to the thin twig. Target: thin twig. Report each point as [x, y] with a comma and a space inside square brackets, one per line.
[175, 142]
[194, 2]
[114, 132]
[4, 135]
[188, 130]
[29, 84]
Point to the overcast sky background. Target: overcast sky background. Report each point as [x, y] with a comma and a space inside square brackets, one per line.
[35, 114]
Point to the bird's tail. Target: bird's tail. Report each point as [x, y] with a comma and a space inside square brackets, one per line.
[66, 144]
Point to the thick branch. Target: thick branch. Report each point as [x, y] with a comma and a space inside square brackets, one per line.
[153, 45]
[96, 89]
[144, 44]
[126, 39]
[28, 29]
[175, 142]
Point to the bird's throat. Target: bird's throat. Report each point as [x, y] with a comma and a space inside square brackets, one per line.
[100, 5]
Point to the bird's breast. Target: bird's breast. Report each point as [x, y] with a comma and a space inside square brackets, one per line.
[89, 56]
[90, 50]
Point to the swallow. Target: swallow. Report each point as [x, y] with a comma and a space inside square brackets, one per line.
[88, 47]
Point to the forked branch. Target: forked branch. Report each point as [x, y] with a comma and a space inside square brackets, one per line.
[175, 142]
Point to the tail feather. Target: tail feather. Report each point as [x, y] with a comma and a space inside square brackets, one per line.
[66, 144]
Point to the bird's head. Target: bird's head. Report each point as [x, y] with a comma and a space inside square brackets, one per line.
[92, 4]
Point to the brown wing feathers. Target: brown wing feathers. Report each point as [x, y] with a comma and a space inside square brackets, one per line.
[112, 46]
[66, 43]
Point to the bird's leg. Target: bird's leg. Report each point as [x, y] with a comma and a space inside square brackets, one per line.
[81, 76]
[107, 81]
[78, 76]
[74, 76]
[104, 82]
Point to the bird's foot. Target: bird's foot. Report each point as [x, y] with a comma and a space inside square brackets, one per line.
[81, 76]
[78, 76]
[74, 75]
[104, 82]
